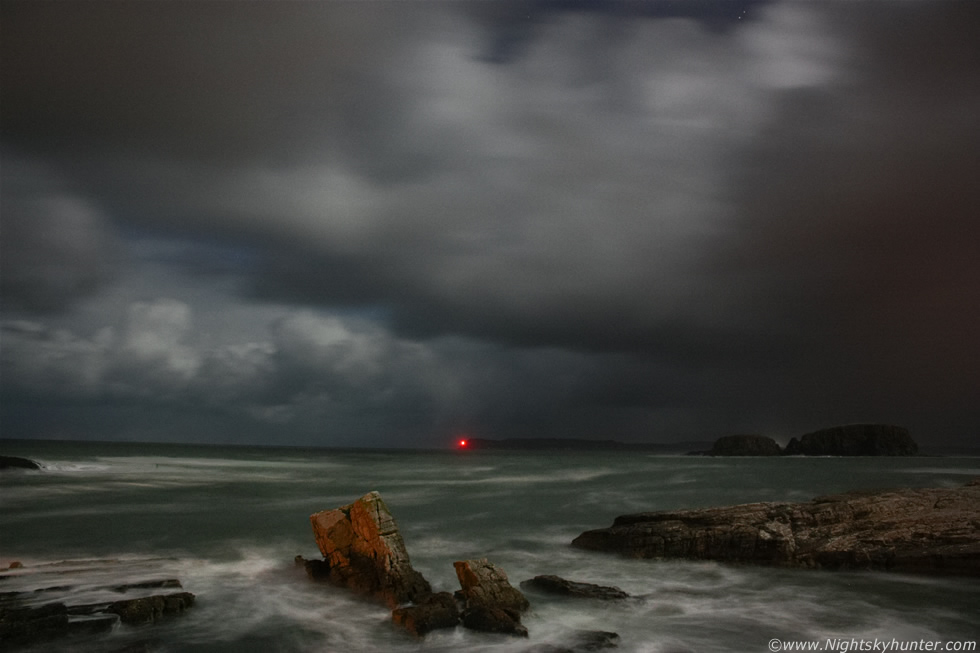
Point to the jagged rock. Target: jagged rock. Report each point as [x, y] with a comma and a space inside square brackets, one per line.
[855, 440]
[15, 462]
[484, 583]
[562, 587]
[25, 625]
[579, 641]
[434, 611]
[365, 552]
[745, 445]
[490, 602]
[151, 608]
[933, 530]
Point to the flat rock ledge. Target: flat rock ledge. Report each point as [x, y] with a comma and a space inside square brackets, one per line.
[363, 551]
[35, 612]
[930, 531]
[558, 586]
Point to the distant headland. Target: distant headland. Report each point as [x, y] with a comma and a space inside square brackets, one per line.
[847, 440]
[573, 444]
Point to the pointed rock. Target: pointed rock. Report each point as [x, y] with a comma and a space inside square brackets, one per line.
[365, 552]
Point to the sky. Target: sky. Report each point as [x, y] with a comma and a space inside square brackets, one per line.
[390, 223]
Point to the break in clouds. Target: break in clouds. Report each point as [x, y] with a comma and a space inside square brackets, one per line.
[380, 223]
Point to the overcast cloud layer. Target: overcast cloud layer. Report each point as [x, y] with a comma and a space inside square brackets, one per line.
[373, 223]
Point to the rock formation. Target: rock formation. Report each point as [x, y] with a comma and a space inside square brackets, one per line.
[855, 440]
[490, 602]
[151, 608]
[365, 552]
[562, 587]
[745, 445]
[934, 530]
[34, 610]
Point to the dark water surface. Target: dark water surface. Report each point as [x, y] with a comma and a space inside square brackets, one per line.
[228, 522]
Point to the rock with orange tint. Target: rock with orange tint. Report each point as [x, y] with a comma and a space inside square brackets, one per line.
[365, 552]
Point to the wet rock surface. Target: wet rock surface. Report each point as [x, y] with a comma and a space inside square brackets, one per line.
[559, 586]
[364, 551]
[435, 611]
[490, 602]
[27, 625]
[579, 641]
[151, 608]
[76, 601]
[932, 530]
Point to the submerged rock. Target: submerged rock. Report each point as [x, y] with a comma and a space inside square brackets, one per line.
[433, 612]
[562, 587]
[579, 641]
[490, 619]
[490, 602]
[15, 462]
[29, 625]
[933, 530]
[855, 440]
[745, 445]
[364, 551]
[151, 608]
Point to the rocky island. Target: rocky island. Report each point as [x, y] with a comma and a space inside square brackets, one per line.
[931, 530]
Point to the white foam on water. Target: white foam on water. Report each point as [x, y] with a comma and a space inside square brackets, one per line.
[520, 512]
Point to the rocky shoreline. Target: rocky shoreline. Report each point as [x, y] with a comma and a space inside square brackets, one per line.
[101, 596]
[930, 531]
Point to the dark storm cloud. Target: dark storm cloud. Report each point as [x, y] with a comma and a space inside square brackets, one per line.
[650, 219]
[56, 245]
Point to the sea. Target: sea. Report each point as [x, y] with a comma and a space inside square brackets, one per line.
[229, 521]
